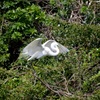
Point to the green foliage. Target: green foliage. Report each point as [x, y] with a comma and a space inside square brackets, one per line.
[20, 86]
[26, 18]
[61, 8]
[18, 24]
[86, 11]
[75, 34]
[89, 84]
[73, 73]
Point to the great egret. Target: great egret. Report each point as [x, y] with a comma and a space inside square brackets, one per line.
[37, 50]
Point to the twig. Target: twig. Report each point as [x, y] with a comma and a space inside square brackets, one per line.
[58, 92]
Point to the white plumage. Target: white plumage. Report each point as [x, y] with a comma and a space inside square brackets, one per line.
[36, 49]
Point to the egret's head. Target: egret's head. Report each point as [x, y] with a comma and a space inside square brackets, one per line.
[55, 44]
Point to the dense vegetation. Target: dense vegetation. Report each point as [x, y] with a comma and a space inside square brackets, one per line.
[73, 76]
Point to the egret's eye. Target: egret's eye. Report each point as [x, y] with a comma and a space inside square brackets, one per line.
[55, 46]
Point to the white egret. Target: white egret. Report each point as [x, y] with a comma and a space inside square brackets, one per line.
[36, 49]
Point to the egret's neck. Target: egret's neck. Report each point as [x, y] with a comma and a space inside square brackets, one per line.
[53, 51]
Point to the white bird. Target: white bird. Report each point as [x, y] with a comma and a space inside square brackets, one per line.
[36, 49]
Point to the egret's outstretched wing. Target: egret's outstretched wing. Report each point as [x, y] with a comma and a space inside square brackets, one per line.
[36, 55]
[33, 47]
[62, 48]
[48, 43]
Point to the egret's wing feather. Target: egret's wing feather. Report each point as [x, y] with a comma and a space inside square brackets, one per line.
[23, 55]
[39, 54]
[36, 55]
[33, 47]
[62, 48]
[33, 44]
